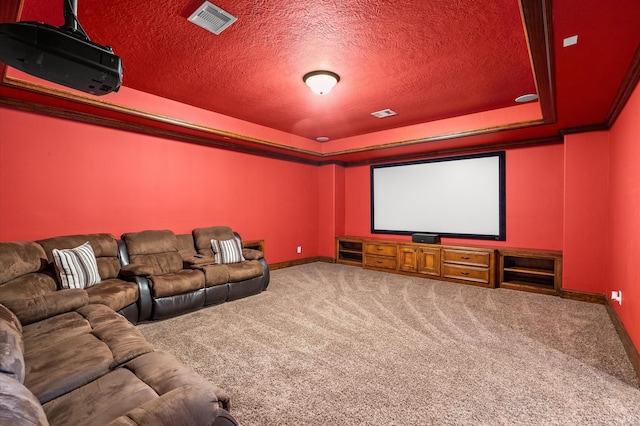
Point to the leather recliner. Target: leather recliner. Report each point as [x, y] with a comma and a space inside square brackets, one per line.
[151, 259]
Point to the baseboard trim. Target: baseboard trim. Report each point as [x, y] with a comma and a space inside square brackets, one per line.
[583, 296]
[289, 263]
[627, 343]
[629, 347]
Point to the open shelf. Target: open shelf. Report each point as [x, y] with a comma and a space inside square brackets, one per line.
[536, 271]
[349, 251]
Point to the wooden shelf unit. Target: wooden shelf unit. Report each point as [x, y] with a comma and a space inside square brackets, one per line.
[530, 270]
[462, 264]
[254, 244]
[349, 251]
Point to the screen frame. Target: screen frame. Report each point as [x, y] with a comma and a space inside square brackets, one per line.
[501, 236]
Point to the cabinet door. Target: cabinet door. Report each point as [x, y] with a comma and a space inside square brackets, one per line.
[429, 261]
[407, 259]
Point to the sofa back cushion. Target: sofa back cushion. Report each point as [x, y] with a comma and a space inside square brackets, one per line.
[105, 248]
[11, 345]
[186, 247]
[21, 276]
[203, 236]
[153, 252]
[20, 258]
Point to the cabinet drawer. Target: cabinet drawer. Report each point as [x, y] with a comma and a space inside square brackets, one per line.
[463, 257]
[381, 262]
[381, 249]
[458, 272]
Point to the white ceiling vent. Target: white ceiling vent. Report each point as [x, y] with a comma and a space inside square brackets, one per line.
[384, 113]
[212, 18]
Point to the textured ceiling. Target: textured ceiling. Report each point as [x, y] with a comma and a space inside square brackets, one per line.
[426, 59]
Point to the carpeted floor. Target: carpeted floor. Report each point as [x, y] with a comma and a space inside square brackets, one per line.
[333, 344]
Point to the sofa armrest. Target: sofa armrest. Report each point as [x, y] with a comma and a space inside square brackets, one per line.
[37, 308]
[144, 296]
[184, 406]
[252, 254]
[18, 406]
[197, 261]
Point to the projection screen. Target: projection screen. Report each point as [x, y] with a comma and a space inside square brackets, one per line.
[459, 197]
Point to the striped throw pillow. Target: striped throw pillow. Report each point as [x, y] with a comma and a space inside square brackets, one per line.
[227, 251]
[76, 267]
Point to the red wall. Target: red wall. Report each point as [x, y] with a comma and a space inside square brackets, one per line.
[60, 177]
[586, 212]
[534, 196]
[624, 215]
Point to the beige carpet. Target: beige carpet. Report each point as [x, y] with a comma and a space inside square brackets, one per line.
[334, 344]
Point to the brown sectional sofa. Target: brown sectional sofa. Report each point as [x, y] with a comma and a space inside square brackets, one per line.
[70, 357]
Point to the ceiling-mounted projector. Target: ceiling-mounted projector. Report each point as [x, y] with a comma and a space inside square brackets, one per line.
[62, 55]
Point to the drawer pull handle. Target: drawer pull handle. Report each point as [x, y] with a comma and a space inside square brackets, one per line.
[465, 257]
[379, 262]
[380, 248]
[464, 273]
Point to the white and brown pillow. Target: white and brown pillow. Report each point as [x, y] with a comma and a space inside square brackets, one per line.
[227, 251]
[76, 267]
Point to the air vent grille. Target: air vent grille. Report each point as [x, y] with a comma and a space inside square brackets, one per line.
[384, 113]
[212, 18]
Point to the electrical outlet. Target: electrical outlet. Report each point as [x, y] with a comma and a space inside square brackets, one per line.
[617, 296]
[299, 249]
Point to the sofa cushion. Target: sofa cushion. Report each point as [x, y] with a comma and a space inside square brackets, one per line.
[65, 366]
[202, 238]
[244, 270]
[186, 245]
[251, 254]
[123, 339]
[11, 345]
[150, 242]
[26, 286]
[215, 275]
[18, 406]
[227, 251]
[48, 332]
[76, 267]
[105, 248]
[20, 258]
[37, 308]
[184, 281]
[152, 253]
[101, 401]
[114, 293]
[141, 393]
[173, 375]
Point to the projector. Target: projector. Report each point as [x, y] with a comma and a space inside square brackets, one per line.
[60, 55]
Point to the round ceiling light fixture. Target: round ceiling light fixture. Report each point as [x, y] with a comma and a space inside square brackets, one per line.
[322, 139]
[321, 82]
[527, 98]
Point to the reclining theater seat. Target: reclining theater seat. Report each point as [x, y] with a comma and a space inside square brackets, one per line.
[246, 275]
[27, 290]
[118, 294]
[166, 289]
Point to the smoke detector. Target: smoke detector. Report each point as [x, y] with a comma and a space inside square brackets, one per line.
[212, 18]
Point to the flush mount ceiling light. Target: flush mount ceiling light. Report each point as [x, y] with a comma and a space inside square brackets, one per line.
[321, 82]
[527, 98]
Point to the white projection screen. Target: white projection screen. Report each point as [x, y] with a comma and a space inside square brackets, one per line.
[459, 197]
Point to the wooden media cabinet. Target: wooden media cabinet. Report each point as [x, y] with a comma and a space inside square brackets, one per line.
[530, 270]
